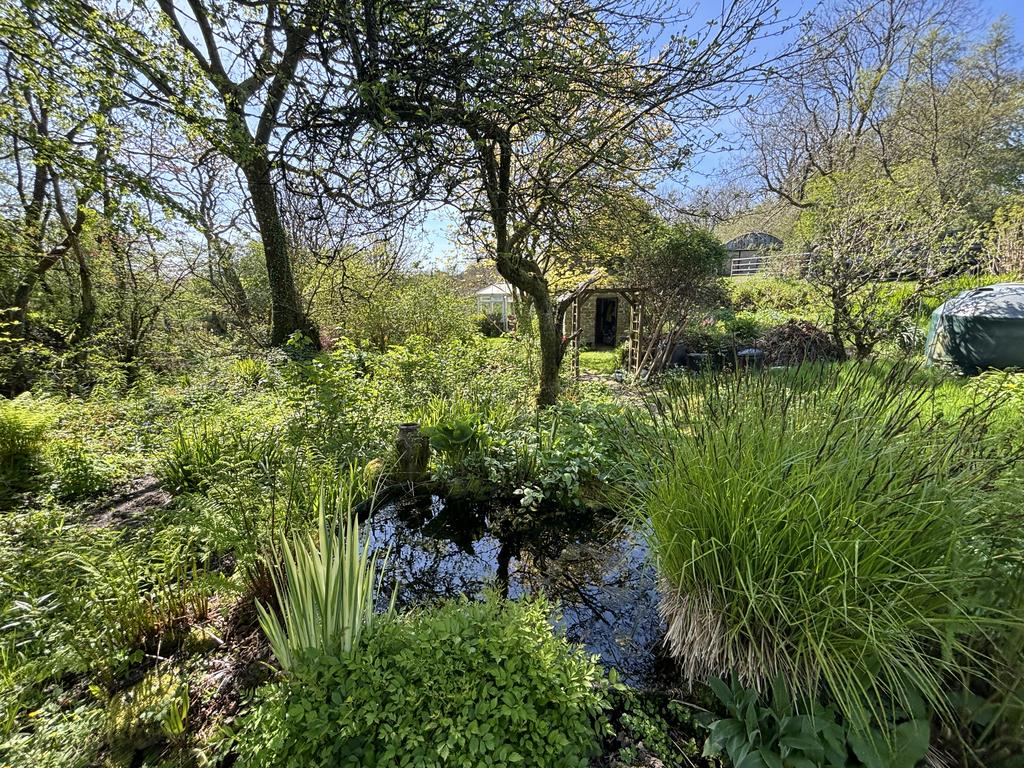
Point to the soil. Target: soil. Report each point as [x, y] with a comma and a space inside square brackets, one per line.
[131, 505]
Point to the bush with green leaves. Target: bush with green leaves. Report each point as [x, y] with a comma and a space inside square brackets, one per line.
[199, 456]
[652, 725]
[560, 456]
[250, 372]
[347, 403]
[392, 311]
[74, 471]
[23, 424]
[460, 684]
[489, 324]
[832, 526]
[759, 734]
[759, 293]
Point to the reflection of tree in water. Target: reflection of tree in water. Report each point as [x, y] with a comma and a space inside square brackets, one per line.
[427, 567]
[608, 599]
[599, 578]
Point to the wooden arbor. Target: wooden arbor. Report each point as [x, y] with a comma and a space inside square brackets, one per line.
[636, 325]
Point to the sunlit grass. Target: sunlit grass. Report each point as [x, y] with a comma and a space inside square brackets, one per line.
[833, 525]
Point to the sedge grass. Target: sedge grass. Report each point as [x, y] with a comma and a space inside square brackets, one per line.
[829, 525]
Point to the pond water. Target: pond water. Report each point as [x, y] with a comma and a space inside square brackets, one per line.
[597, 573]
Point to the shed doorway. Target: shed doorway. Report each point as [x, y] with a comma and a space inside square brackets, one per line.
[606, 320]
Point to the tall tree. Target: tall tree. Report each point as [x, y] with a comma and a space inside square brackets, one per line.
[893, 84]
[57, 139]
[534, 109]
[226, 71]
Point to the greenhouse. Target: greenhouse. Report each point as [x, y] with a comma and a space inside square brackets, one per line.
[980, 328]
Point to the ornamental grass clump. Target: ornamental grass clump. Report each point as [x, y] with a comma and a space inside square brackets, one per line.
[831, 526]
[328, 594]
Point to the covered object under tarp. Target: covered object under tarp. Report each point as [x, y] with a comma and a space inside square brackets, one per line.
[980, 328]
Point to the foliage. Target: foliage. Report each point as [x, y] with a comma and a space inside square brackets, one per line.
[551, 458]
[758, 293]
[251, 371]
[151, 711]
[649, 725]
[198, 456]
[864, 232]
[828, 525]
[74, 471]
[63, 738]
[678, 274]
[327, 596]
[766, 735]
[23, 422]
[348, 402]
[504, 691]
[935, 106]
[488, 324]
[1006, 237]
[426, 306]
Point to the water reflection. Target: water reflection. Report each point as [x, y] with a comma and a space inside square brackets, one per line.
[597, 573]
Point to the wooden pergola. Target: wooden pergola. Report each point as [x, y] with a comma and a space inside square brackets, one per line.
[636, 321]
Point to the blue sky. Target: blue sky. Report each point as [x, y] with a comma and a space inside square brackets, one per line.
[436, 248]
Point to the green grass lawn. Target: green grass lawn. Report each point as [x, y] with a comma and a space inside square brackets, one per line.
[599, 361]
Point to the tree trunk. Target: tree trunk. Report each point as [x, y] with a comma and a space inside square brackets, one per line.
[239, 299]
[87, 311]
[23, 293]
[522, 309]
[526, 277]
[840, 320]
[551, 351]
[287, 315]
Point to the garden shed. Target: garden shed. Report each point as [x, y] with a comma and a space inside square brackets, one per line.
[746, 254]
[980, 328]
[602, 318]
[495, 300]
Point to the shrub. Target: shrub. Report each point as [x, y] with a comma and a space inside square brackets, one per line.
[829, 526]
[395, 310]
[348, 402]
[327, 598]
[761, 293]
[553, 457]
[74, 471]
[23, 423]
[652, 728]
[760, 734]
[199, 456]
[460, 684]
[489, 324]
[250, 372]
[744, 326]
[776, 732]
[190, 458]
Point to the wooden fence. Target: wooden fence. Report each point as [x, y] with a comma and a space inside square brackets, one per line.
[773, 264]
